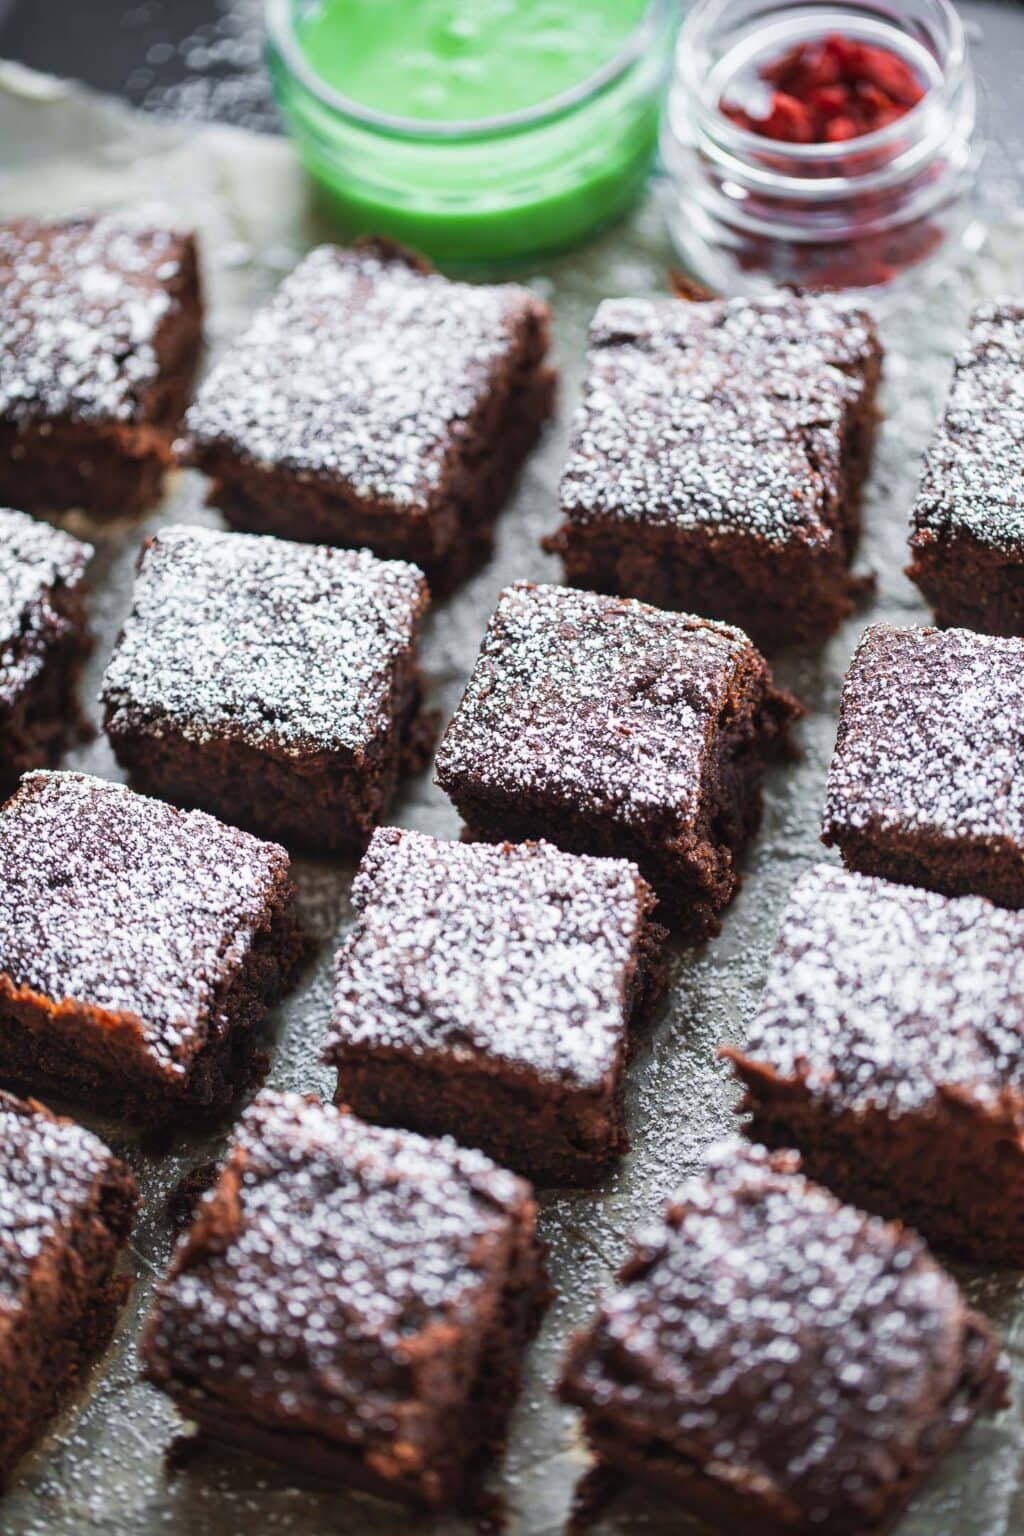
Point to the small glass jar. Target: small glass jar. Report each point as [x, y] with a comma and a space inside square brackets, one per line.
[748, 211]
[488, 191]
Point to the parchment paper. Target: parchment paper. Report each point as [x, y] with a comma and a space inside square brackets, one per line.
[102, 1467]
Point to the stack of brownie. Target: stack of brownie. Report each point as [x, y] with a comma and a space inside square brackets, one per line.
[355, 1292]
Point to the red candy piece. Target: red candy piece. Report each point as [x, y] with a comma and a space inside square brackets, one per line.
[831, 90]
[789, 119]
[839, 128]
[892, 76]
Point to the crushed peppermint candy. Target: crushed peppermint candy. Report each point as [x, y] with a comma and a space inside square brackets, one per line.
[113, 901]
[883, 996]
[778, 1339]
[48, 1172]
[599, 703]
[328, 1253]
[973, 480]
[83, 305]
[295, 648]
[35, 561]
[724, 416]
[520, 954]
[931, 739]
[364, 372]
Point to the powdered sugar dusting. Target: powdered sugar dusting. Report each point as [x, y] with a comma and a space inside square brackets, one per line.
[363, 372]
[784, 1342]
[34, 560]
[726, 416]
[882, 996]
[48, 1172]
[82, 305]
[931, 738]
[593, 702]
[974, 471]
[113, 900]
[346, 1243]
[519, 954]
[290, 647]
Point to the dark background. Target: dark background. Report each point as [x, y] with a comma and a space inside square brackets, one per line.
[203, 59]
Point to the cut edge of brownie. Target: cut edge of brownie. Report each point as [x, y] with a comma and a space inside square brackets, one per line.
[814, 589]
[269, 792]
[80, 1309]
[492, 447]
[987, 867]
[968, 584]
[873, 1160]
[46, 715]
[503, 1110]
[694, 875]
[106, 1062]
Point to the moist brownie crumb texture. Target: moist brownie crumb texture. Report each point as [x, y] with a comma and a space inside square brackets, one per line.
[967, 544]
[43, 642]
[489, 991]
[352, 1300]
[613, 728]
[98, 346]
[927, 782]
[718, 457]
[66, 1206]
[273, 683]
[373, 402]
[889, 1041]
[777, 1361]
[139, 946]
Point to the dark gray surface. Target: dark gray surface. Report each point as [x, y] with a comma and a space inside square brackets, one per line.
[145, 50]
[98, 41]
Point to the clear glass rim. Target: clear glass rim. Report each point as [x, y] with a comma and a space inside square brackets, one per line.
[747, 145]
[282, 36]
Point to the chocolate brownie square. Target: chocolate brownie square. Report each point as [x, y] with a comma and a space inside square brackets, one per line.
[609, 727]
[778, 1362]
[100, 331]
[967, 544]
[139, 947]
[272, 683]
[890, 1039]
[373, 402]
[718, 457]
[488, 992]
[44, 640]
[927, 782]
[66, 1208]
[352, 1301]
